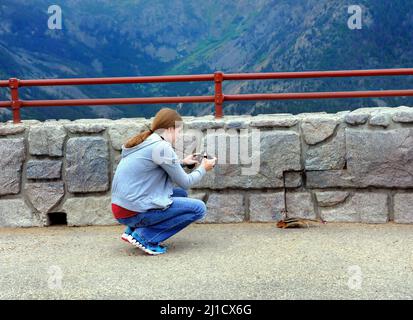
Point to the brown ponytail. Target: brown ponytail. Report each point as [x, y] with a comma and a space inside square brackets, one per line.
[165, 118]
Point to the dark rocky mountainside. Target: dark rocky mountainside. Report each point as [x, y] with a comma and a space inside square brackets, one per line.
[131, 37]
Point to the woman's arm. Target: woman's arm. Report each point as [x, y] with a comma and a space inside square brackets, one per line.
[165, 156]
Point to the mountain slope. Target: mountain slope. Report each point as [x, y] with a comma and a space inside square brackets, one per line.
[125, 38]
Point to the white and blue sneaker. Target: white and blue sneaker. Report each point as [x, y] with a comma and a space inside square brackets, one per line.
[152, 249]
[127, 234]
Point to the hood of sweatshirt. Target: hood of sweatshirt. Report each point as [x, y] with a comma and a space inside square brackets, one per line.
[152, 139]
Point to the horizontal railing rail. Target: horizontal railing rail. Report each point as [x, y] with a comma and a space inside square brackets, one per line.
[218, 98]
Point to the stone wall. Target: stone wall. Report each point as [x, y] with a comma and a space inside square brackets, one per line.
[345, 167]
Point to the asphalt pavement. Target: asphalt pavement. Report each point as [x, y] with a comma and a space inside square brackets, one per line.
[210, 261]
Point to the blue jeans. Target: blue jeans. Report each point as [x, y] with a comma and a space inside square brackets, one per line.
[156, 226]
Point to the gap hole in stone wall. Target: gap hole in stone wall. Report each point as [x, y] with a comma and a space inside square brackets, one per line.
[57, 219]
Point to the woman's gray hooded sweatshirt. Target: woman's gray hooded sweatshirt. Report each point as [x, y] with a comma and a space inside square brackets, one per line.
[145, 174]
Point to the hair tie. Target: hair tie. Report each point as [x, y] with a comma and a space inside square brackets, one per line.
[149, 128]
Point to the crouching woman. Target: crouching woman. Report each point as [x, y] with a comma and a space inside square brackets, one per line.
[143, 195]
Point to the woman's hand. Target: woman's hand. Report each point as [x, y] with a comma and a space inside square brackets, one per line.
[209, 164]
[190, 160]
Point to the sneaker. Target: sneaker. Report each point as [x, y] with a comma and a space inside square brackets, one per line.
[152, 249]
[127, 235]
[156, 249]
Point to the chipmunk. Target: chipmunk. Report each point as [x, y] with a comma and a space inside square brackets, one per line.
[296, 222]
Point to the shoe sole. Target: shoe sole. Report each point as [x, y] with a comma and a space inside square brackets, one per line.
[124, 237]
[128, 238]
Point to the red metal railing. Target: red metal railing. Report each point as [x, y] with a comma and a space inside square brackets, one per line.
[218, 98]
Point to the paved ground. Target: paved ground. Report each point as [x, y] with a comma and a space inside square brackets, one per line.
[234, 261]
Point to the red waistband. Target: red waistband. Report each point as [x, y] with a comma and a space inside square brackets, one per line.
[122, 213]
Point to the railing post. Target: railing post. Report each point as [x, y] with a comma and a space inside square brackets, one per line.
[219, 97]
[15, 100]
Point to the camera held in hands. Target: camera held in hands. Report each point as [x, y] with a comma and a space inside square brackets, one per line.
[199, 156]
